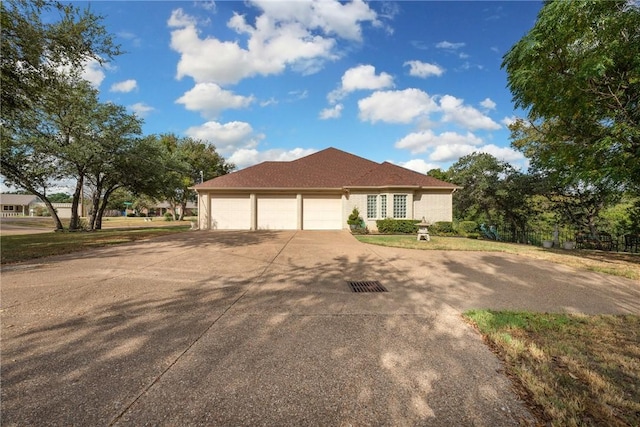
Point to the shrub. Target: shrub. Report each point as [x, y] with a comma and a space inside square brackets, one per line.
[360, 230]
[168, 216]
[473, 235]
[442, 228]
[467, 227]
[41, 211]
[397, 226]
[354, 218]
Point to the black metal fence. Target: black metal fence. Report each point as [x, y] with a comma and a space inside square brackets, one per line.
[603, 241]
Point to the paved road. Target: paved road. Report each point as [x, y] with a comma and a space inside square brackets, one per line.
[260, 328]
[20, 225]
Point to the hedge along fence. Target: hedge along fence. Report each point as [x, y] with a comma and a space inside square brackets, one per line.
[440, 228]
[397, 226]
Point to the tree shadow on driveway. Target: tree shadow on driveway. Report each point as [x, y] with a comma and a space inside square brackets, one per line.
[262, 333]
[467, 280]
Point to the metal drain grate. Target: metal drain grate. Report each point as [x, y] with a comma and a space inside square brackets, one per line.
[367, 286]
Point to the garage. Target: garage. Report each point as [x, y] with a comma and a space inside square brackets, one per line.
[230, 213]
[277, 213]
[322, 212]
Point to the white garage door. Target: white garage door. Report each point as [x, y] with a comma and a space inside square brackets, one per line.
[230, 213]
[277, 213]
[322, 213]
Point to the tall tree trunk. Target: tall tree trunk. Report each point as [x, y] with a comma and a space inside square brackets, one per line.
[54, 214]
[173, 205]
[103, 206]
[95, 204]
[74, 222]
[183, 208]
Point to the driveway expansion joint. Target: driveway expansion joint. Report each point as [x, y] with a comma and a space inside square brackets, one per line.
[207, 329]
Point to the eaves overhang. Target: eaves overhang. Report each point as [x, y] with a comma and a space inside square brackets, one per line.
[268, 189]
[400, 187]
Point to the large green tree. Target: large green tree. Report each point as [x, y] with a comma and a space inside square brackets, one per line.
[35, 52]
[187, 162]
[577, 75]
[577, 190]
[479, 176]
[120, 158]
[34, 49]
[492, 191]
[70, 125]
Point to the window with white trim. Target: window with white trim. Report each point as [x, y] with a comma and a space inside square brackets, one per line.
[7, 207]
[372, 206]
[399, 205]
[383, 206]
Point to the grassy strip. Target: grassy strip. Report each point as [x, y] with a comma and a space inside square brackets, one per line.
[32, 246]
[613, 263]
[572, 369]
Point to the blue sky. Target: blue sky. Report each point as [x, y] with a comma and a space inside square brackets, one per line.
[415, 83]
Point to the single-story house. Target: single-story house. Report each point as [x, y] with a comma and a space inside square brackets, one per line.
[319, 192]
[30, 205]
[161, 208]
[17, 204]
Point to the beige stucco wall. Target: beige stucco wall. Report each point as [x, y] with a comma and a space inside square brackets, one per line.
[204, 206]
[434, 205]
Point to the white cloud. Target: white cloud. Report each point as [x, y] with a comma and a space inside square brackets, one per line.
[300, 35]
[227, 137]
[449, 45]
[135, 40]
[505, 154]
[332, 17]
[362, 77]
[250, 156]
[419, 165]
[93, 72]
[124, 86]
[141, 109]
[488, 104]
[424, 69]
[465, 116]
[180, 19]
[297, 95]
[419, 142]
[210, 99]
[208, 5]
[270, 101]
[507, 121]
[332, 112]
[452, 152]
[397, 106]
[419, 44]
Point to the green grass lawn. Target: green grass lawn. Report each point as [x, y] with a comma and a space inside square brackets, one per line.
[573, 370]
[570, 369]
[15, 248]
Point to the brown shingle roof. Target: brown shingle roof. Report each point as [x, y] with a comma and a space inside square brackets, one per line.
[390, 175]
[18, 199]
[329, 168]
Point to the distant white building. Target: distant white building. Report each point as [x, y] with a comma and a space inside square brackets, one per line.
[29, 205]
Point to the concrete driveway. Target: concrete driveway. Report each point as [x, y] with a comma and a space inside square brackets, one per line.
[260, 328]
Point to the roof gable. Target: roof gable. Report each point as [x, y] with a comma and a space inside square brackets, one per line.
[329, 168]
